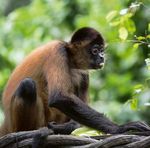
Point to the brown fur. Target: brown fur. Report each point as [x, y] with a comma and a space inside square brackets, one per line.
[45, 64]
[77, 54]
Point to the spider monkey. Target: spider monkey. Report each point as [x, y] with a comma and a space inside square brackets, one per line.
[51, 87]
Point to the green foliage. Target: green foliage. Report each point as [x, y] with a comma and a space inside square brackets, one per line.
[123, 20]
[125, 28]
[140, 40]
[86, 131]
[123, 33]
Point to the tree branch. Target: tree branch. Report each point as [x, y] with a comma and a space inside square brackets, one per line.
[25, 139]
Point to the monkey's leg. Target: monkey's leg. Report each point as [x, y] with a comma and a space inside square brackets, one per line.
[79, 111]
[24, 109]
[65, 128]
[25, 114]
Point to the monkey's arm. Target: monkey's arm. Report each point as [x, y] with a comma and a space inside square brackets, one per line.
[68, 127]
[79, 111]
[57, 74]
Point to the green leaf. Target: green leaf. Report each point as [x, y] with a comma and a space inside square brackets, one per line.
[115, 23]
[141, 38]
[136, 45]
[129, 24]
[133, 104]
[123, 33]
[148, 36]
[111, 15]
[138, 88]
[149, 27]
[86, 131]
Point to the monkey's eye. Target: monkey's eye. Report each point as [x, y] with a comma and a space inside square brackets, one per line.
[95, 51]
[102, 50]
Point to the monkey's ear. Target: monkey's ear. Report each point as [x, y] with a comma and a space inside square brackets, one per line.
[86, 34]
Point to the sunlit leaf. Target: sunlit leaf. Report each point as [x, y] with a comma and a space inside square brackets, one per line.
[86, 131]
[148, 63]
[141, 38]
[133, 104]
[147, 104]
[138, 88]
[148, 36]
[123, 33]
[128, 15]
[148, 45]
[136, 45]
[123, 11]
[115, 23]
[149, 27]
[129, 24]
[134, 7]
[111, 15]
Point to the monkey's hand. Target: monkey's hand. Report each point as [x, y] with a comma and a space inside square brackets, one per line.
[64, 128]
[134, 126]
[39, 139]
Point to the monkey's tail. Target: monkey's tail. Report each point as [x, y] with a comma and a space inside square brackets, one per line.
[3, 128]
[2, 133]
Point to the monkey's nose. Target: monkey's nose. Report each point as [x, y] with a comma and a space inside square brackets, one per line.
[101, 59]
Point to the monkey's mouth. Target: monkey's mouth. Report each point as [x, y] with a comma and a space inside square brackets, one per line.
[98, 66]
[101, 65]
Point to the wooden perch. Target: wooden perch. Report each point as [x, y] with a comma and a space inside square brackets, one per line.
[25, 140]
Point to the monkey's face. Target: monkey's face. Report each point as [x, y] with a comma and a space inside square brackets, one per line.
[87, 55]
[87, 49]
[96, 53]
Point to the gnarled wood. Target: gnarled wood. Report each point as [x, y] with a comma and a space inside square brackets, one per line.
[25, 139]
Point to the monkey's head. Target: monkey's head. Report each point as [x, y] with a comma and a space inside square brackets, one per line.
[86, 49]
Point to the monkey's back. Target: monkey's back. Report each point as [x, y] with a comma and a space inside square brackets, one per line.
[31, 66]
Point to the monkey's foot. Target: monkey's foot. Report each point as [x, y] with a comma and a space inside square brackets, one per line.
[134, 126]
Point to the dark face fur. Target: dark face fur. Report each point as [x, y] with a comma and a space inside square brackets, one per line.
[87, 49]
[96, 53]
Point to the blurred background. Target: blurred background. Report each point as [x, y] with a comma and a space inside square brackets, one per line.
[122, 89]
